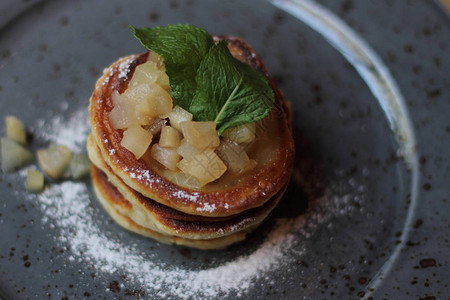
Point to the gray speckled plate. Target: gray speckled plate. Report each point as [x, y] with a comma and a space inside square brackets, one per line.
[366, 215]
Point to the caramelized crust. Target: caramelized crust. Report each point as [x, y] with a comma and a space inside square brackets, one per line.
[129, 224]
[157, 208]
[167, 220]
[195, 230]
[252, 190]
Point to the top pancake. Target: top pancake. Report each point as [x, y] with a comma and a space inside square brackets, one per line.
[273, 150]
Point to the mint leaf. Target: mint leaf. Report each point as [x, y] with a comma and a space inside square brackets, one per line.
[206, 79]
[183, 47]
[228, 91]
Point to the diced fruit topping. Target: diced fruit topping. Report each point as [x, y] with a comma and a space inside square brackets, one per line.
[15, 130]
[170, 137]
[155, 127]
[136, 140]
[241, 134]
[157, 59]
[54, 160]
[150, 100]
[122, 115]
[201, 135]
[139, 105]
[234, 156]
[34, 181]
[145, 111]
[79, 165]
[150, 72]
[177, 116]
[166, 156]
[14, 155]
[205, 166]
[187, 150]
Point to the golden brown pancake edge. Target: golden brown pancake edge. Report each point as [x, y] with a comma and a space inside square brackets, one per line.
[255, 191]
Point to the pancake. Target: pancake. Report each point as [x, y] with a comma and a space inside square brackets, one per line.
[227, 196]
[110, 201]
[151, 214]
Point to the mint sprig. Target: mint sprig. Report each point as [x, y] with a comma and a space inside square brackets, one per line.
[206, 79]
[229, 92]
[183, 47]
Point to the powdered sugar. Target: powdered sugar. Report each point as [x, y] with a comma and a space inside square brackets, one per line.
[186, 196]
[124, 68]
[207, 207]
[141, 174]
[71, 132]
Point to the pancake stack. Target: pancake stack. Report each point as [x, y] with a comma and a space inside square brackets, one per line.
[144, 197]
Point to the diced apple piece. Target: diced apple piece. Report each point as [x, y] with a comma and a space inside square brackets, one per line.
[136, 140]
[156, 126]
[144, 73]
[170, 137]
[150, 99]
[79, 165]
[13, 155]
[123, 113]
[205, 166]
[187, 150]
[157, 59]
[233, 155]
[34, 181]
[161, 101]
[117, 98]
[149, 73]
[138, 97]
[163, 81]
[15, 130]
[166, 156]
[122, 116]
[177, 116]
[54, 160]
[184, 165]
[201, 135]
[241, 134]
[144, 120]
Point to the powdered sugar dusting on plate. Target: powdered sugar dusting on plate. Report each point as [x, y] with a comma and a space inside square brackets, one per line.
[67, 206]
[71, 132]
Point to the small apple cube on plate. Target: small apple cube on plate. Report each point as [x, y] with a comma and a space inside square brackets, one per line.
[79, 165]
[15, 130]
[34, 181]
[14, 155]
[54, 160]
